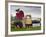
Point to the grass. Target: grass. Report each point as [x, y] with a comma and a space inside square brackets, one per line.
[14, 28]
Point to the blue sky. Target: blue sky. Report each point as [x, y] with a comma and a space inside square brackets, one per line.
[35, 11]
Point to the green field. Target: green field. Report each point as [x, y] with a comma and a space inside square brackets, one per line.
[14, 28]
[25, 29]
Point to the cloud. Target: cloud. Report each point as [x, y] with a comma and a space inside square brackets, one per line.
[35, 11]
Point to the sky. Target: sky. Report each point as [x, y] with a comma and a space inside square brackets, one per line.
[34, 11]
